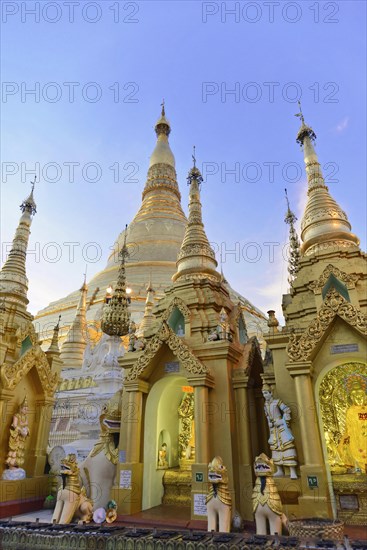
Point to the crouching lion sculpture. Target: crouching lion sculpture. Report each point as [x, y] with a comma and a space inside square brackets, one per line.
[71, 497]
[218, 500]
[266, 501]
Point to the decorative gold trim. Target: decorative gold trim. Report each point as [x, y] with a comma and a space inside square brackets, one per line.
[35, 357]
[181, 306]
[165, 335]
[349, 279]
[300, 349]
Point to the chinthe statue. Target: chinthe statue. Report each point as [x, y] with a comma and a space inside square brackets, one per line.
[218, 500]
[266, 503]
[72, 500]
[19, 431]
[281, 439]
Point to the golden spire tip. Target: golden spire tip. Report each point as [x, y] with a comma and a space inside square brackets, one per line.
[300, 114]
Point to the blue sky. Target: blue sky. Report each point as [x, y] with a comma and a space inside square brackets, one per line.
[193, 54]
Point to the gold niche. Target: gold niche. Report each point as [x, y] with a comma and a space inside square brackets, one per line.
[343, 404]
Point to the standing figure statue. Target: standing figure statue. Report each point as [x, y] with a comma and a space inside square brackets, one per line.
[354, 441]
[281, 439]
[19, 432]
[162, 457]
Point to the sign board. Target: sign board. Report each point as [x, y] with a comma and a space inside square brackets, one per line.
[313, 482]
[199, 477]
[199, 505]
[343, 348]
[125, 479]
[174, 366]
[348, 502]
[122, 457]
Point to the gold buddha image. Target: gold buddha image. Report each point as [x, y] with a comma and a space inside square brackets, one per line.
[343, 402]
[354, 441]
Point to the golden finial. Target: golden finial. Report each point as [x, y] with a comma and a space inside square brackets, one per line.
[194, 173]
[33, 183]
[294, 252]
[290, 217]
[163, 109]
[116, 316]
[300, 114]
[193, 156]
[123, 252]
[58, 323]
[29, 204]
[304, 130]
[150, 285]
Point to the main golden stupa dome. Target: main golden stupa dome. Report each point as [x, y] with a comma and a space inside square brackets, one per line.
[153, 240]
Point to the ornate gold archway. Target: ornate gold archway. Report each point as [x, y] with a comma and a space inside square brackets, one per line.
[336, 404]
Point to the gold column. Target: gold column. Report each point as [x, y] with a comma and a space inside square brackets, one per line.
[36, 459]
[201, 425]
[133, 419]
[129, 497]
[301, 373]
[240, 383]
[312, 502]
[5, 414]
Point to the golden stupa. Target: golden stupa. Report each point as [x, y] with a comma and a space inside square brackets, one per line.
[154, 239]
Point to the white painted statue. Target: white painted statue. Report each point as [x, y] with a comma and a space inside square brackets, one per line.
[218, 500]
[266, 503]
[281, 439]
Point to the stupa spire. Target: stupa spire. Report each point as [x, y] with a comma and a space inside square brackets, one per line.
[13, 278]
[116, 316]
[54, 350]
[72, 349]
[294, 244]
[162, 153]
[196, 259]
[148, 318]
[323, 220]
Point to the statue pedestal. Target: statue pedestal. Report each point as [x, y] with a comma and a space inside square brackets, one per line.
[177, 487]
[23, 495]
[13, 474]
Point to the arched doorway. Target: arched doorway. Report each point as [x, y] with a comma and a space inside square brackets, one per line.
[161, 426]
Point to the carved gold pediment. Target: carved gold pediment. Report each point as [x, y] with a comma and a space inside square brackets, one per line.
[300, 349]
[11, 375]
[349, 279]
[165, 335]
[181, 306]
[22, 331]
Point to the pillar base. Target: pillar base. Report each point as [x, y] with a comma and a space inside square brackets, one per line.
[246, 476]
[128, 492]
[315, 500]
[199, 489]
